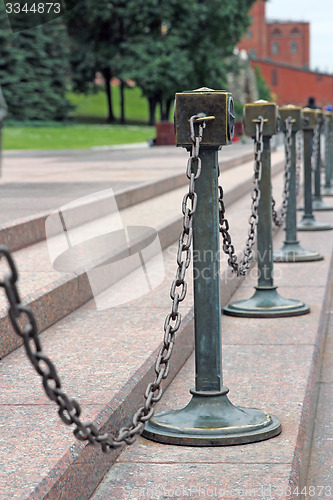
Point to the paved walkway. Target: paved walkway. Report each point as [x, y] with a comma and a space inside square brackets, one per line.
[320, 476]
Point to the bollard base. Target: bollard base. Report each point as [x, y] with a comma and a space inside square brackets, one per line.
[310, 224]
[319, 205]
[293, 252]
[266, 303]
[211, 421]
[327, 191]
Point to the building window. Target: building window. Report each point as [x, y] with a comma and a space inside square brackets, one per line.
[293, 47]
[274, 77]
[252, 53]
[275, 48]
[295, 32]
[276, 32]
[249, 34]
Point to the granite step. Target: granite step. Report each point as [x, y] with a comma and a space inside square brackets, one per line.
[105, 358]
[54, 289]
[26, 230]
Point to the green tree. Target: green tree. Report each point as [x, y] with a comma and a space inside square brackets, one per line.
[34, 70]
[96, 29]
[164, 45]
[181, 45]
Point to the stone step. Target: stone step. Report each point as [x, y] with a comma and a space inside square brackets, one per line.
[105, 359]
[66, 287]
[30, 229]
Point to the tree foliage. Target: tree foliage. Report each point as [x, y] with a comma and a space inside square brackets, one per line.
[34, 70]
[164, 45]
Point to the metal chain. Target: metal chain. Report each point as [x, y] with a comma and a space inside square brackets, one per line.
[316, 139]
[241, 267]
[299, 159]
[69, 409]
[327, 141]
[279, 217]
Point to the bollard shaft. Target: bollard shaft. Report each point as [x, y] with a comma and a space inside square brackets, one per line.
[331, 150]
[291, 232]
[307, 148]
[317, 174]
[266, 301]
[264, 229]
[328, 157]
[206, 272]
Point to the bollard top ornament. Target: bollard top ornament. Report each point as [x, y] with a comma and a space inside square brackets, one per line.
[320, 116]
[294, 112]
[205, 102]
[268, 110]
[329, 116]
[309, 121]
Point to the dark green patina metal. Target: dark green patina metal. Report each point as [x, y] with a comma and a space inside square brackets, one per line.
[292, 250]
[266, 301]
[308, 222]
[3, 113]
[209, 419]
[318, 203]
[328, 187]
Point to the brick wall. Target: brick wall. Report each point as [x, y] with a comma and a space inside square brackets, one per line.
[288, 43]
[255, 39]
[285, 42]
[293, 85]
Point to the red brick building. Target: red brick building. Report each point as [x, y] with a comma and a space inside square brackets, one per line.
[281, 49]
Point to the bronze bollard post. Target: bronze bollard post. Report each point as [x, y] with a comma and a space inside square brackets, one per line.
[318, 203]
[328, 187]
[292, 250]
[308, 222]
[209, 419]
[266, 301]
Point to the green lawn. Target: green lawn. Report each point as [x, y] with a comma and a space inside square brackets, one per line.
[92, 108]
[74, 136]
[89, 126]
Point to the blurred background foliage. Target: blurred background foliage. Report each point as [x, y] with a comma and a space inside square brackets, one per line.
[159, 46]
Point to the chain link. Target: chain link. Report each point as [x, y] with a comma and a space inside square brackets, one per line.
[327, 141]
[279, 217]
[316, 139]
[69, 409]
[228, 248]
[299, 159]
